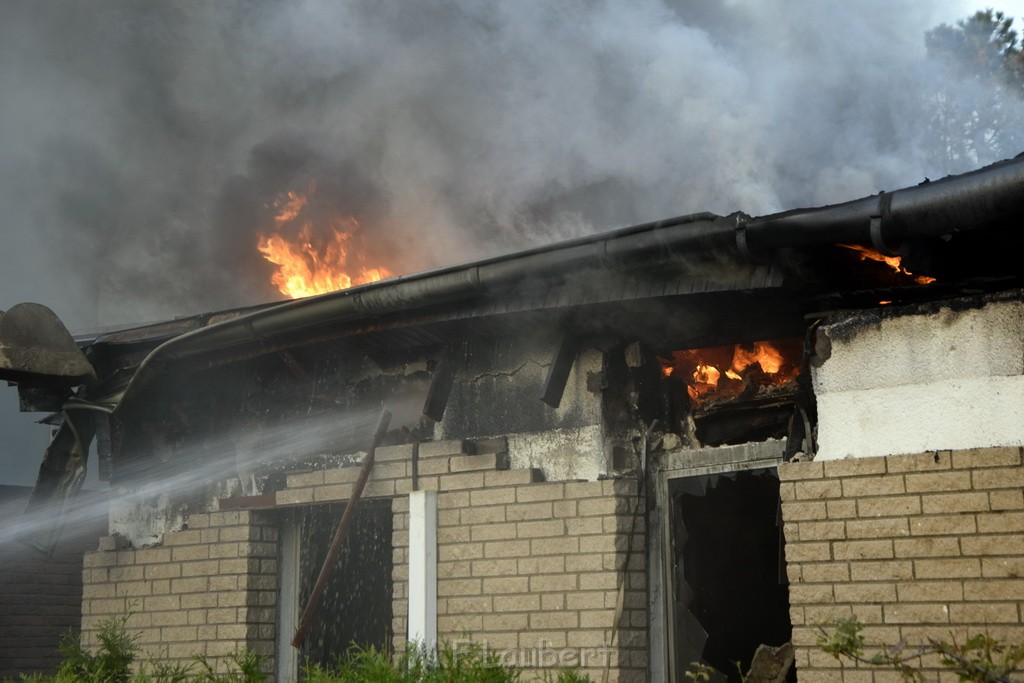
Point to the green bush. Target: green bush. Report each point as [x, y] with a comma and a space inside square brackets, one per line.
[113, 660]
[448, 665]
[243, 667]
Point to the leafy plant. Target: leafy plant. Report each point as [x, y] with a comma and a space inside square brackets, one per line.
[981, 659]
[700, 672]
[467, 664]
[113, 660]
[163, 672]
[110, 663]
[244, 666]
[447, 664]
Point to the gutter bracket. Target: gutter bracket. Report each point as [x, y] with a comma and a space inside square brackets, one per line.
[883, 216]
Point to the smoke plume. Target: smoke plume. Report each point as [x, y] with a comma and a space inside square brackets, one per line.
[144, 143]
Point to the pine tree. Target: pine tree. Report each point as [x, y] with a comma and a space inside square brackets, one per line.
[978, 108]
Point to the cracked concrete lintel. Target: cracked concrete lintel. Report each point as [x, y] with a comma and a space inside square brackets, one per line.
[143, 516]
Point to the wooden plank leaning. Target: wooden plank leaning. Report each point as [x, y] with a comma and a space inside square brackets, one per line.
[313, 604]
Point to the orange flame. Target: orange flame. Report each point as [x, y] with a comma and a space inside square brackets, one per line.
[776, 364]
[764, 354]
[894, 262]
[311, 264]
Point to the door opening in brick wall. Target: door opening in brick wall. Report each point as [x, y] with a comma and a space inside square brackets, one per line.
[356, 605]
[728, 585]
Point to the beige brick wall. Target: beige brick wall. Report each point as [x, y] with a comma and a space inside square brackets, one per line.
[534, 571]
[912, 546]
[209, 590]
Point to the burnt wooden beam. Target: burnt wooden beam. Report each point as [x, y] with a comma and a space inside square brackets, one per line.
[558, 371]
[441, 385]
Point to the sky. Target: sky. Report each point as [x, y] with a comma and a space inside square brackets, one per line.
[145, 147]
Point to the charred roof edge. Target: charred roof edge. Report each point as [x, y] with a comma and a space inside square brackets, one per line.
[960, 202]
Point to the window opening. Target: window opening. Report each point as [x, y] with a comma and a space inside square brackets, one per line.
[356, 606]
[734, 394]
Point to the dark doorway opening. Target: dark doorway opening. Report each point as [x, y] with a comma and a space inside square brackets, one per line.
[729, 578]
[356, 607]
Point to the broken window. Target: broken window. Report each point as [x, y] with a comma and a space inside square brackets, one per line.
[729, 590]
[736, 394]
[356, 604]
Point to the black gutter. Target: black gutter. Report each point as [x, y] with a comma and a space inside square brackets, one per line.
[889, 219]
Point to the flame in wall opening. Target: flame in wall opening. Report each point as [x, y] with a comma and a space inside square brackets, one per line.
[309, 261]
[727, 371]
[894, 262]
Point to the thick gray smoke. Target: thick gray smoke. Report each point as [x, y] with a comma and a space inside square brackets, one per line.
[142, 144]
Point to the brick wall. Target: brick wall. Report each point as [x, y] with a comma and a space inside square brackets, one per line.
[40, 596]
[534, 571]
[912, 546]
[209, 590]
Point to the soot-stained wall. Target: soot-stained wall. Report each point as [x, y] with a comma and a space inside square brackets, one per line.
[497, 393]
[274, 418]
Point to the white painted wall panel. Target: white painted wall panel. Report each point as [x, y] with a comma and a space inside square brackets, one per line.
[973, 413]
[908, 384]
[423, 568]
[562, 454]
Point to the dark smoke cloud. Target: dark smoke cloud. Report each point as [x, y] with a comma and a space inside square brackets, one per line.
[142, 143]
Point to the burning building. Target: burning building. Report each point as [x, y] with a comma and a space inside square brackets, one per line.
[660, 445]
